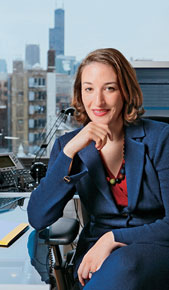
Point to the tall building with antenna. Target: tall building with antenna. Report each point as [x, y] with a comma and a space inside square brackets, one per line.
[56, 34]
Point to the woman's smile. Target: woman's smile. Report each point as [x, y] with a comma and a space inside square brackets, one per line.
[100, 112]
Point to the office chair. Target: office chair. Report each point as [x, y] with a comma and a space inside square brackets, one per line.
[63, 232]
[164, 119]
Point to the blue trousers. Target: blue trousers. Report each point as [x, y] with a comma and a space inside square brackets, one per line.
[134, 267]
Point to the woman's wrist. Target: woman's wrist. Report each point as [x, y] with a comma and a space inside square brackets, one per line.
[107, 240]
[110, 238]
[69, 151]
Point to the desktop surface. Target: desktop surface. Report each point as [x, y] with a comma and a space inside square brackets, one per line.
[15, 260]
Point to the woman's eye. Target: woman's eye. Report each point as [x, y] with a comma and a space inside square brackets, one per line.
[110, 89]
[88, 89]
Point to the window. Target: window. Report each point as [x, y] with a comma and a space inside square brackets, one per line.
[31, 96]
[31, 110]
[31, 123]
[31, 82]
[31, 137]
[5, 93]
[40, 109]
[26, 83]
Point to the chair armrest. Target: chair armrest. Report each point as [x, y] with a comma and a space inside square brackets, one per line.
[62, 232]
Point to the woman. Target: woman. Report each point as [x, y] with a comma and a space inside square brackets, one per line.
[119, 164]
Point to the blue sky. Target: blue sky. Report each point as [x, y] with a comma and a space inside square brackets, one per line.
[139, 29]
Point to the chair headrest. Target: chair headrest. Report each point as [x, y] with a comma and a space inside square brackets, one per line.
[164, 119]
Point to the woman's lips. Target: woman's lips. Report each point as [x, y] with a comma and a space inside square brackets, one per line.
[100, 112]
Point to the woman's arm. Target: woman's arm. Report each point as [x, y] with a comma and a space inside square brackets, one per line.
[48, 200]
[55, 190]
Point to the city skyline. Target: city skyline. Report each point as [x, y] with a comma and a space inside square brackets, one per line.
[139, 30]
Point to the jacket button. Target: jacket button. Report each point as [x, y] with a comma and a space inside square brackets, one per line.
[125, 214]
[67, 179]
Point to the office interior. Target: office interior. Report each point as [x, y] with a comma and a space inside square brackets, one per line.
[35, 109]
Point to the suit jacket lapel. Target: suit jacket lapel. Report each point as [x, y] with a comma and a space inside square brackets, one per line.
[134, 162]
[91, 158]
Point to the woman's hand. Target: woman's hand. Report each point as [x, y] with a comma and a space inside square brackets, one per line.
[95, 257]
[91, 132]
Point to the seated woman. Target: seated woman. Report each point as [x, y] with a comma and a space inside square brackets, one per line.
[118, 163]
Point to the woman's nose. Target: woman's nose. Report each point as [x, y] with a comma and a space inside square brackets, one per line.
[99, 98]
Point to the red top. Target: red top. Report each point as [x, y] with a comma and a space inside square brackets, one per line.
[119, 190]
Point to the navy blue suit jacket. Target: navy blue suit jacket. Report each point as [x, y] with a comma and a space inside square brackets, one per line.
[146, 219]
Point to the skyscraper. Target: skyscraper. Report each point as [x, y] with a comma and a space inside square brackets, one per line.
[3, 66]
[56, 34]
[32, 55]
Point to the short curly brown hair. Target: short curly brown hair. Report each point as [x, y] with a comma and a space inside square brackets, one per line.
[127, 81]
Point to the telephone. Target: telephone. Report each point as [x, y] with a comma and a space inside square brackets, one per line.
[13, 175]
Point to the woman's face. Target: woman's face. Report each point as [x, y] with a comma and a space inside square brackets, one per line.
[101, 95]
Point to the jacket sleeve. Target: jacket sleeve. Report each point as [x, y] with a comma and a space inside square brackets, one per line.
[48, 200]
[157, 231]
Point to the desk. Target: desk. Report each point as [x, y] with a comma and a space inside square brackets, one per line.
[15, 194]
[23, 287]
[15, 266]
[23, 194]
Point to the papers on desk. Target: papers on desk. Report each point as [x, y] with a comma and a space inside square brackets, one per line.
[10, 231]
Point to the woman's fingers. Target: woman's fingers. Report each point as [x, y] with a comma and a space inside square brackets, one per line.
[98, 133]
[100, 139]
[105, 129]
[90, 274]
[95, 257]
[85, 272]
[91, 132]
